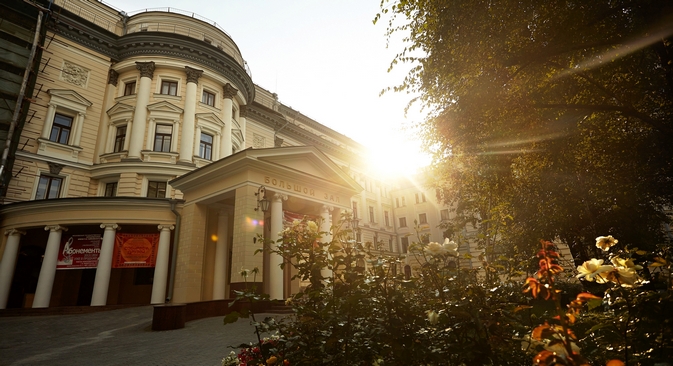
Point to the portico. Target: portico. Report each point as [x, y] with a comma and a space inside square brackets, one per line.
[223, 225]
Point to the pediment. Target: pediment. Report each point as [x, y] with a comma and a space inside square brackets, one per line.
[211, 118]
[237, 134]
[69, 95]
[164, 106]
[120, 108]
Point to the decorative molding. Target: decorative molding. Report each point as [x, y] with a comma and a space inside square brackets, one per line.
[228, 91]
[243, 111]
[74, 74]
[10, 232]
[146, 69]
[279, 197]
[258, 142]
[112, 226]
[165, 227]
[193, 75]
[112, 77]
[55, 168]
[55, 228]
[277, 141]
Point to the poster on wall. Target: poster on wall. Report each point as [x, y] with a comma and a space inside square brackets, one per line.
[135, 250]
[79, 251]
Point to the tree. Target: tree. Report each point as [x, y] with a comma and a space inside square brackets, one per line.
[546, 119]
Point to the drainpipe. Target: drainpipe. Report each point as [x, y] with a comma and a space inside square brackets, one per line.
[174, 254]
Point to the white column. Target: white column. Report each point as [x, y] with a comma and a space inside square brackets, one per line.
[48, 119]
[140, 114]
[45, 282]
[104, 130]
[102, 281]
[8, 264]
[77, 127]
[187, 142]
[229, 92]
[149, 139]
[243, 115]
[197, 142]
[221, 256]
[217, 141]
[326, 226]
[275, 260]
[161, 267]
[127, 139]
[174, 137]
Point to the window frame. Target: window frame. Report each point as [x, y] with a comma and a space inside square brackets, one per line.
[119, 140]
[386, 218]
[163, 137]
[130, 88]
[444, 214]
[47, 190]
[422, 219]
[151, 182]
[114, 185]
[403, 221]
[371, 215]
[203, 146]
[61, 128]
[169, 83]
[355, 210]
[211, 97]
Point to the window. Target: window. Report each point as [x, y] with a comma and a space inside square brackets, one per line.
[371, 214]
[111, 189]
[405, 244]
[208, 98]
[417, 201]
[156, 189]
[403, 202]
[162, 138]
[120, 137]
[355, 210]
[206, 146]
[48, 187]
[386, 218]
[444, 214]
[130, 88]
[403, 222]
[422, 218]
[60, 129]
[390, 245]
[169, 87]
[397, 202]
[422, 197]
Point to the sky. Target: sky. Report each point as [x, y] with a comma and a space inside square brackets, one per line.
[325, 59]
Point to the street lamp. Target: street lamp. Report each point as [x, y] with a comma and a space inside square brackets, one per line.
[262, 201]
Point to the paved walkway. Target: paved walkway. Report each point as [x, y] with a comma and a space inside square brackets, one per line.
[117, 337]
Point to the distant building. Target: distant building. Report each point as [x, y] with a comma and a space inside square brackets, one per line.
[144, 158]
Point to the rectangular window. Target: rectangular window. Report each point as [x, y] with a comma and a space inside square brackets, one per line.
[169, 87]
[403, 222]
[417, 201]
[355, 210]
[397, 202]
[208, 98]
[386, 218]
[422, 218]
[156, 189]
[120, 137]
[371, 214]
[60, 129]
[111, 189]
[206, 146]
[48, 187]
[405, 244]
[444, 214]
[403, 202]
[130, 88]
[162, 138]
[422, 197]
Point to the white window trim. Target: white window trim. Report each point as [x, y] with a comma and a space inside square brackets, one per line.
[163, 78]
[215, 100]
[125, 81]
[103, 181]
[156, 178]
[46, 172]
[69, 103]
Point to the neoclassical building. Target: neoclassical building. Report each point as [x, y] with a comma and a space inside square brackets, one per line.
[144, 161]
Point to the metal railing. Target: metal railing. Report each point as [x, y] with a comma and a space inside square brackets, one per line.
[181, 12]
[90, 16]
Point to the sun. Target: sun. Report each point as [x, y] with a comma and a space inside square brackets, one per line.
[396, 157]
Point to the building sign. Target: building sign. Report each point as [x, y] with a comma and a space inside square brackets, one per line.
[298, 188]
[135, 250]
[79, 251]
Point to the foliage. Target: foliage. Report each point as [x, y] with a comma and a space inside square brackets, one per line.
[547, 118]
[444, 314]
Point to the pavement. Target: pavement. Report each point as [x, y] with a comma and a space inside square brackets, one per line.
[117, 337]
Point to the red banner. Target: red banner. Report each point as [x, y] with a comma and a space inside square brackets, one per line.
[135, 250]
[79, 251]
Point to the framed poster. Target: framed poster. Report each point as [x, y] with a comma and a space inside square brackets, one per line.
[135, 250]
[79, 251]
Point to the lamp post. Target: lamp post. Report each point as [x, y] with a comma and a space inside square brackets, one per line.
[262, 201]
